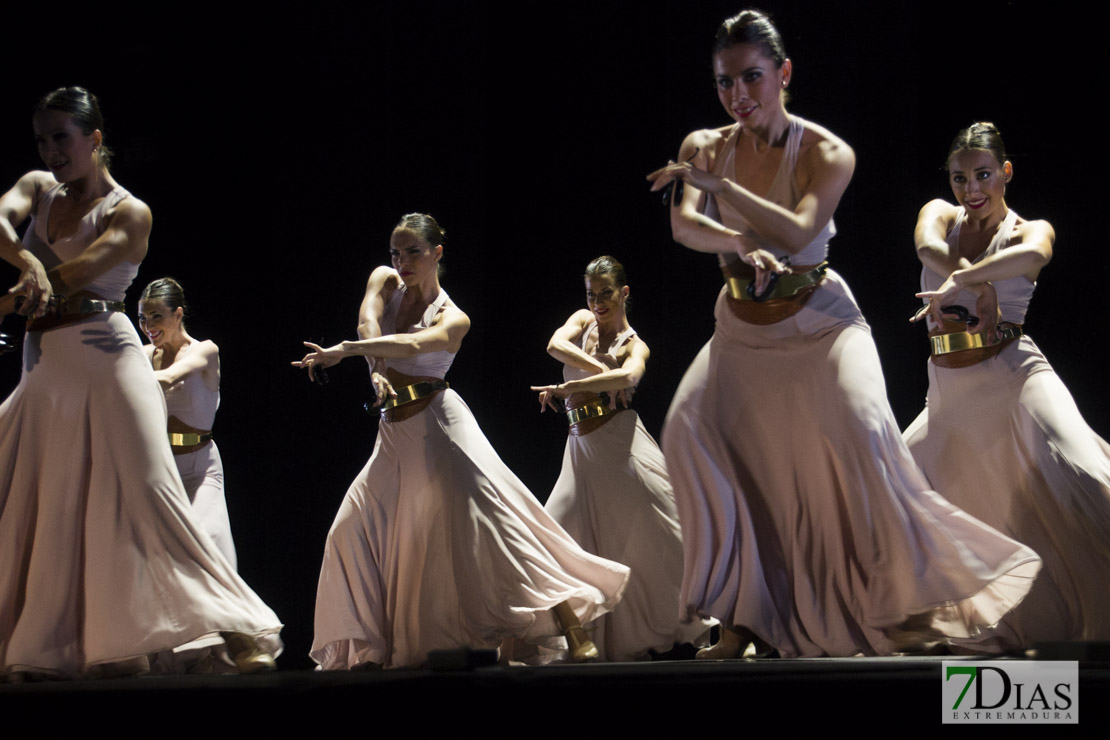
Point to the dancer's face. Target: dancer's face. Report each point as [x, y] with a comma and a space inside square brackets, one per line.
[605, 299]
[65, 150]
[749, 84]
[978, 181]
[413, 258]
[159, 322]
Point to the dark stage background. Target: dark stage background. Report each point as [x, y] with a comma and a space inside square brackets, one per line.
[277, 149]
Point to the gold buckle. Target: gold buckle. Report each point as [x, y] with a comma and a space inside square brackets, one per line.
[959, 341]
[414, 392]
[591, 410]
[786, 286]
[188, 439]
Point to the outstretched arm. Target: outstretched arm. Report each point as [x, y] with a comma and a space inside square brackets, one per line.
[204, 358]
[445, 335]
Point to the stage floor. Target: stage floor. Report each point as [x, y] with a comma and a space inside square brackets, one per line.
[902, 693]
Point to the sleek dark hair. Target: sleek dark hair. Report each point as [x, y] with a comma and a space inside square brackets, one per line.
[85, 109]
[167, 290]
[751, 27]
[606, 265]
[982, 135]
[424, 226]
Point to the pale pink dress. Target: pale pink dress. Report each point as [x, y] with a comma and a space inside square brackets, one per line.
[1003, 440]
[803, 515]
[202, 471]
[437, 545]
[101, 560]
[615, 498]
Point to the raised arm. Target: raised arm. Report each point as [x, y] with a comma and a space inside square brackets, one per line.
[33, 283]
[563, 345]
[689, 224]
[935, 220]
[825, 167]
[382, 280]
[204, 358]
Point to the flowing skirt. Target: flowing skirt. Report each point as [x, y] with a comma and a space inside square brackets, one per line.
[1004, 441]
[804, 517]
[438, 545]
[202, 472]
[101, 560]
[615, 498]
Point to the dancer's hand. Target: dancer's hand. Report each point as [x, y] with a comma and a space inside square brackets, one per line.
[548, 398]
[766, 265]
[624, 396]
[686, 172]
[550, 395]
[990, 315]
[319, 357]
[35, 288]
[383, 389]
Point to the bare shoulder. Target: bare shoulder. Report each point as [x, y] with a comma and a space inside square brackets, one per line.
[821, 146]
[37, 181]
[706, 143]
[453, 317]
[383, 280]
[208, 348]
[16, 204]
[130, 213]
[939, 210]
[583, 317]
[638, 346]
[1030, 231]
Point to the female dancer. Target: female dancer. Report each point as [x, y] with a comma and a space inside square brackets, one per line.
[437, 544]
[189, 373]
[613, 494]
[804, 519]
[101, 563]
[1001, 436]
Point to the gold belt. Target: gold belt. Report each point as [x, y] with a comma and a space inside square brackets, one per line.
[591, 410]
[785, 286]
[959, 341]
[189, 439]
[414, 392]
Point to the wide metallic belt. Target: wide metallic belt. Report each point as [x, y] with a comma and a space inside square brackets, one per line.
[414, 392]
[959, 341]
[783, 286]
[591, 410]
[189, 439]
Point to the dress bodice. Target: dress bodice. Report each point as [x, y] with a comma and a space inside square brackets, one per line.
[783, 192]
[573, 373]
[190, 400]
[429, 364]
[1014, 293]
[113, 284]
